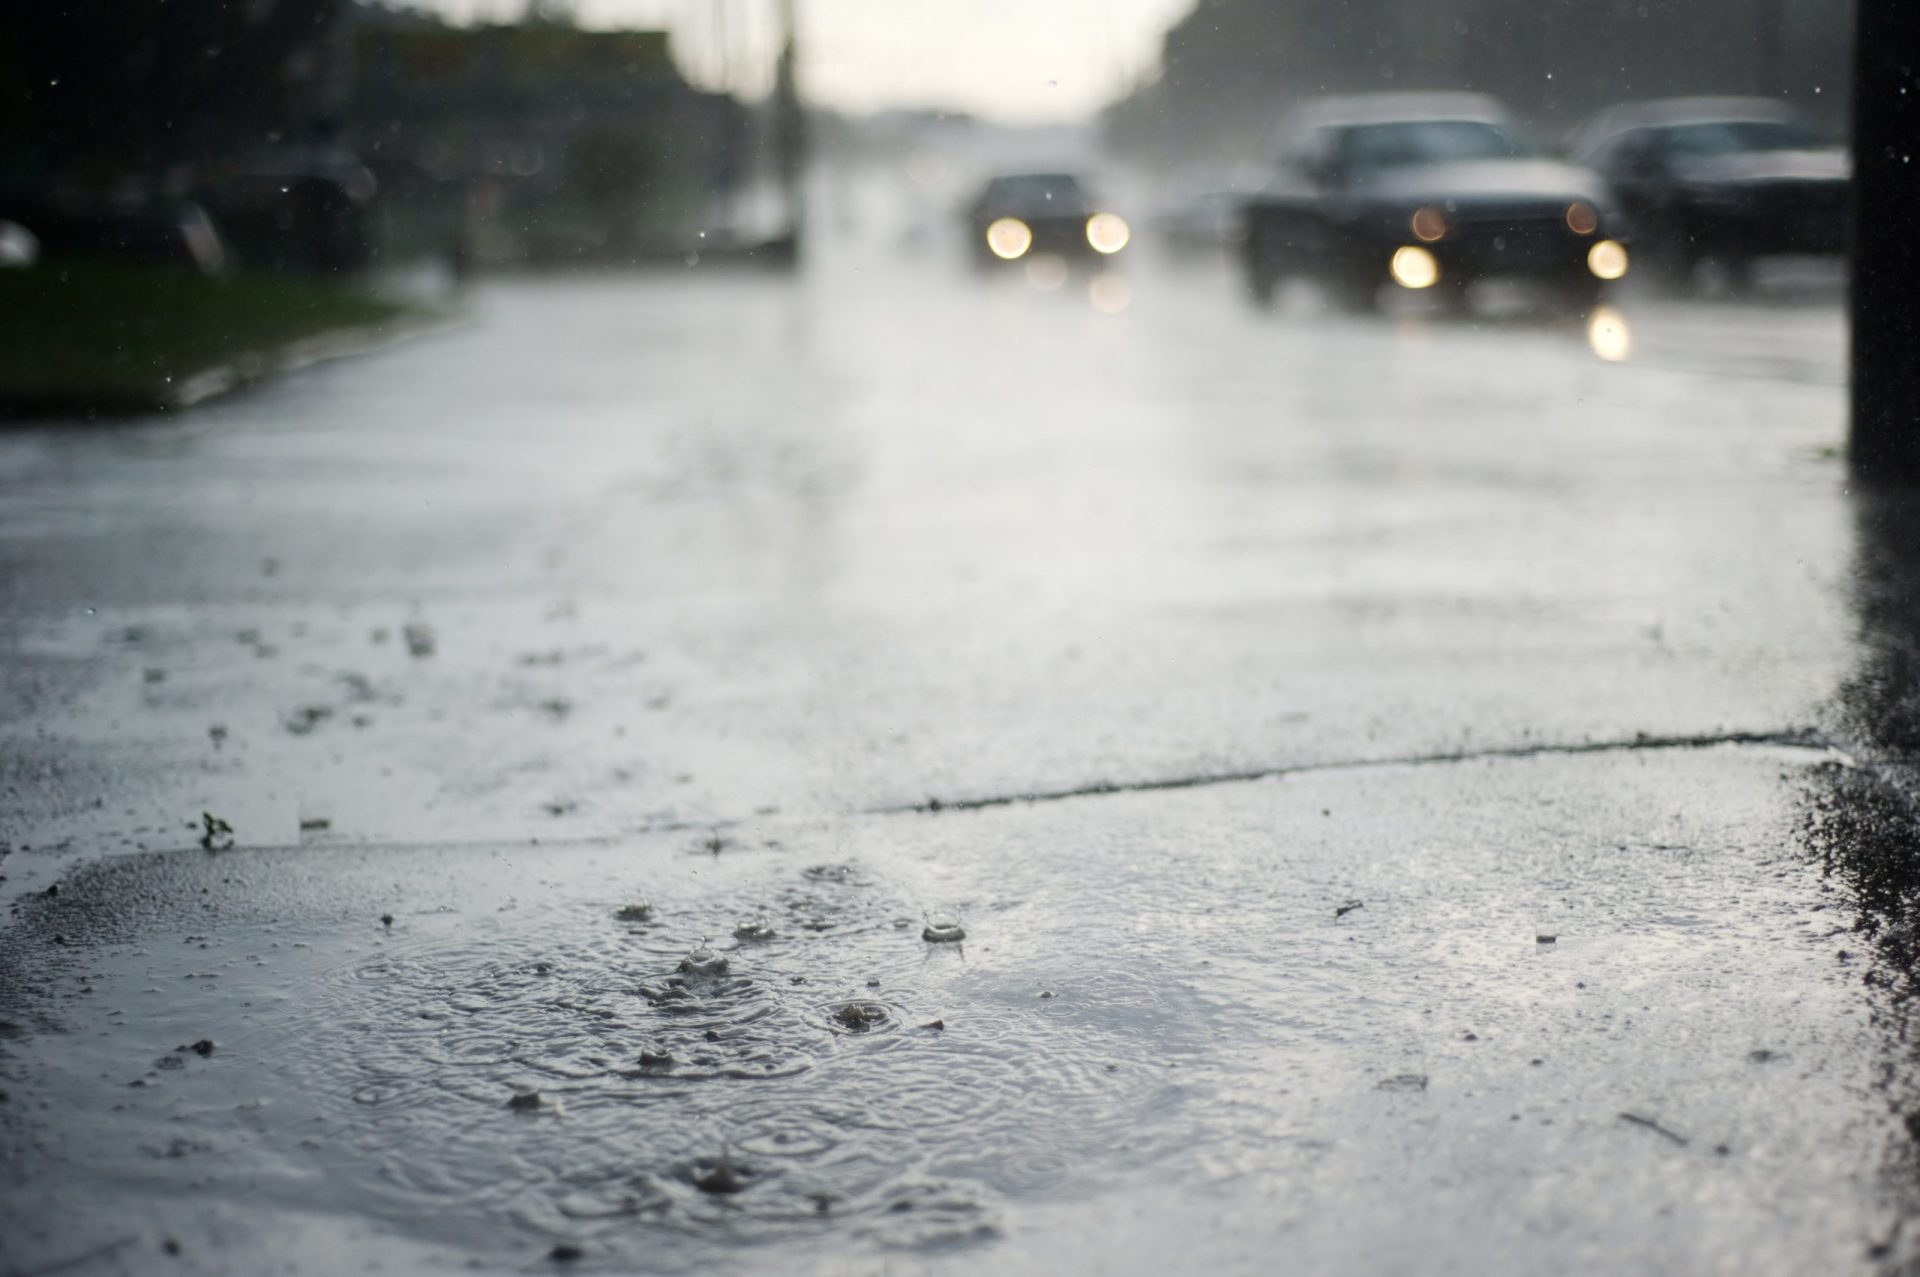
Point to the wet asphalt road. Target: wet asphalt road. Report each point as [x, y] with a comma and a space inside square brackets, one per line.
[759, 598]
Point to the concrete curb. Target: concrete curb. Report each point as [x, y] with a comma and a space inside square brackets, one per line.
[244, 373]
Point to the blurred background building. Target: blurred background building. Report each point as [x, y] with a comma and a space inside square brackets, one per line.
[325, 134]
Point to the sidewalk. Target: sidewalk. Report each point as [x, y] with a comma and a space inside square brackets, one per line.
[1384, 773]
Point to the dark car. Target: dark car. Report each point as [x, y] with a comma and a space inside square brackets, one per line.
[1733, 179]
[1426, 191]
[1041, 213]
[129, 232]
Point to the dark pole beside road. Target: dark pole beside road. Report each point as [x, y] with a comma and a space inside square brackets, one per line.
[1886, 251]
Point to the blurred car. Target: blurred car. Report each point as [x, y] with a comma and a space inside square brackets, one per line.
[174, 233]
[1733, 179]
[1427, 192]
[1041, 213]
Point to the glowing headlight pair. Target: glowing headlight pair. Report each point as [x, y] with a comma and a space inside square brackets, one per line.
[1415, 268]
[1010, 238]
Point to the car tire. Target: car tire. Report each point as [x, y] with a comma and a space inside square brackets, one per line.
[1454, 294]
[1260, 283]
[1263, 269]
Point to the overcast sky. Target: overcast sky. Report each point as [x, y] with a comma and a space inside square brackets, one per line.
[1015, 59]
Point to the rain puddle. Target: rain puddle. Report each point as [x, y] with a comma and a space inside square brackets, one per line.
[643, 1069]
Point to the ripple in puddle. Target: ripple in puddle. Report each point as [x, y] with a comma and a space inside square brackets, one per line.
[791, 1103]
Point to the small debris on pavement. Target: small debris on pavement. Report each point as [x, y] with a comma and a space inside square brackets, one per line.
[419, 637]
[303, 720]
[215, 833]
[1651, 1125]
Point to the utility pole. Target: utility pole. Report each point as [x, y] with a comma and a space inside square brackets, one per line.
[1769, 40]
[789, 127]
[1885, 294]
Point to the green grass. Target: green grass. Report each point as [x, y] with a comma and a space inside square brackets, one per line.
[77, 337]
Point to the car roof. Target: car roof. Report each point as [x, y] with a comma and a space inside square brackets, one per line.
[1663, 112]
[1394, 108]
[1054, 178]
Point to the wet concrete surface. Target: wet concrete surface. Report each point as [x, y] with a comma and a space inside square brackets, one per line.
[1476, 775]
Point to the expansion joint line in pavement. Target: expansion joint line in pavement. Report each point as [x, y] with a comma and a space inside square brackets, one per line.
[1795, 738]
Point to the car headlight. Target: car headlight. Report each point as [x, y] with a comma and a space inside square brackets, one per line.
[1108, 232]
[1009, 237]
[1607, 259]
[1582, 218]
[1429, 224]
[1414, 268]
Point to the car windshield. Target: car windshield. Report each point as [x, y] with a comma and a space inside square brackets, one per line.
[1735, 137]
[1037, 192]
[1414, 142]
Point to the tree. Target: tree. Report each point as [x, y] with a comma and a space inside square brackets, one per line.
[105, 89]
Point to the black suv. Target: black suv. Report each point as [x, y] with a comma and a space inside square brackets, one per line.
[1426, 192]
[1041, 213]
[1732, 179]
